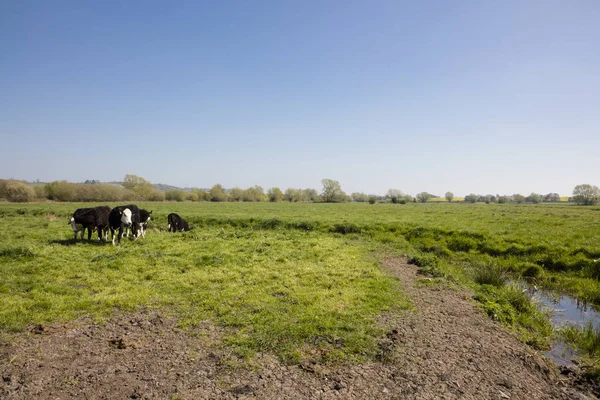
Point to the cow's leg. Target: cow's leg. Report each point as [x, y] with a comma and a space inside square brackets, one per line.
[89, 233]
[112, 231]
[120, 233]
[74, 227]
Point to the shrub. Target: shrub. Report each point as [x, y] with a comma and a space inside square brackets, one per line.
[157, 195]
[372, 199]
[67, 191]
[17, 191]
[175, 195]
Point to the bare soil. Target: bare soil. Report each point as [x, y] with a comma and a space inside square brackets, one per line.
[445, 348]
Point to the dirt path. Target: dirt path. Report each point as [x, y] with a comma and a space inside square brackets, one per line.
[444, 349]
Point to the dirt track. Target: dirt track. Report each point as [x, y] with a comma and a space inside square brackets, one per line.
[445, 348]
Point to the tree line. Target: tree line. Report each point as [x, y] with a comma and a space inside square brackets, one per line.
[137, 188]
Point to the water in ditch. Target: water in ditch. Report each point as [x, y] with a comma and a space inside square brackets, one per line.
[564, 310]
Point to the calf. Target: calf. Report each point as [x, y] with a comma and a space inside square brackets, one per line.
[144, 220]
[122, 217]
[177, 224]
[91, 219]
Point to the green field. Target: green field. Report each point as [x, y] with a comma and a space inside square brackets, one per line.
[275, 276]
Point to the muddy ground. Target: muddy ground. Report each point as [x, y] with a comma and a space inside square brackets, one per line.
[443, 349]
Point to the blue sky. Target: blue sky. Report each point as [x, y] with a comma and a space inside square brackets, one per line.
[462, 96]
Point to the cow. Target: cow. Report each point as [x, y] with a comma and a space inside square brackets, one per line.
[177, 224]
[140, 228]
[91, 219]
[144, 220]
[124, 217]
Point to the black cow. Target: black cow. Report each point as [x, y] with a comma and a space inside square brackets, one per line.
[144, 220]
[91, 219]
[177, 224]
[122, 217]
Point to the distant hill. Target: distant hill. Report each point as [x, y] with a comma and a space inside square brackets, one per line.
[164, 187]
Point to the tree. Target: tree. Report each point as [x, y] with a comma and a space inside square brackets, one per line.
[255, 193]
[310, 195]
[360, 197]
[372, 199]
[175, 195]
[423, 197]
[395, 195]
[275, 194]
[471, 198]
[586, 195]
[139, 185]
[407, 198]
[201, 195]
[449, 196]
[502, 199]
[534, 198]
[332, 191]
[191, 196]
[236, 194]
[217, 193]
[292, 194]
[552, 197]
[518, 198]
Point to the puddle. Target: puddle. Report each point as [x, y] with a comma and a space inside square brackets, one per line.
[565, 310]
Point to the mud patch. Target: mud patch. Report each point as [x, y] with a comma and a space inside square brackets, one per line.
[443, 349]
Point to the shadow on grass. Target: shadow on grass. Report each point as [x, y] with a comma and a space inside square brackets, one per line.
[72, 242]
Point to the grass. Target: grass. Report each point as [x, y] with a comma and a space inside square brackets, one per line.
[488, 273]
[278, 275]
[587, 340]
[271, 289]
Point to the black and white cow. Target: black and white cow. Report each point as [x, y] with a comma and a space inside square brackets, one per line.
[176, 223]
[124, 217]
[91, 219]
[144, 220]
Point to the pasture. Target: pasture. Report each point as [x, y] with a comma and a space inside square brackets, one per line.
[275, 276]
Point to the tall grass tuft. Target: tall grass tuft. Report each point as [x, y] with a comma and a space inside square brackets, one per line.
[586, 339]
[488, 273]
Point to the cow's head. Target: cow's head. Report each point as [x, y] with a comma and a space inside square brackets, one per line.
[126, 217]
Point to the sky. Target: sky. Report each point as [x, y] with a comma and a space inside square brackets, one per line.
[485, 97]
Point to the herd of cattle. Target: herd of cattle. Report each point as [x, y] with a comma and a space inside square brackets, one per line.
[123, 218]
